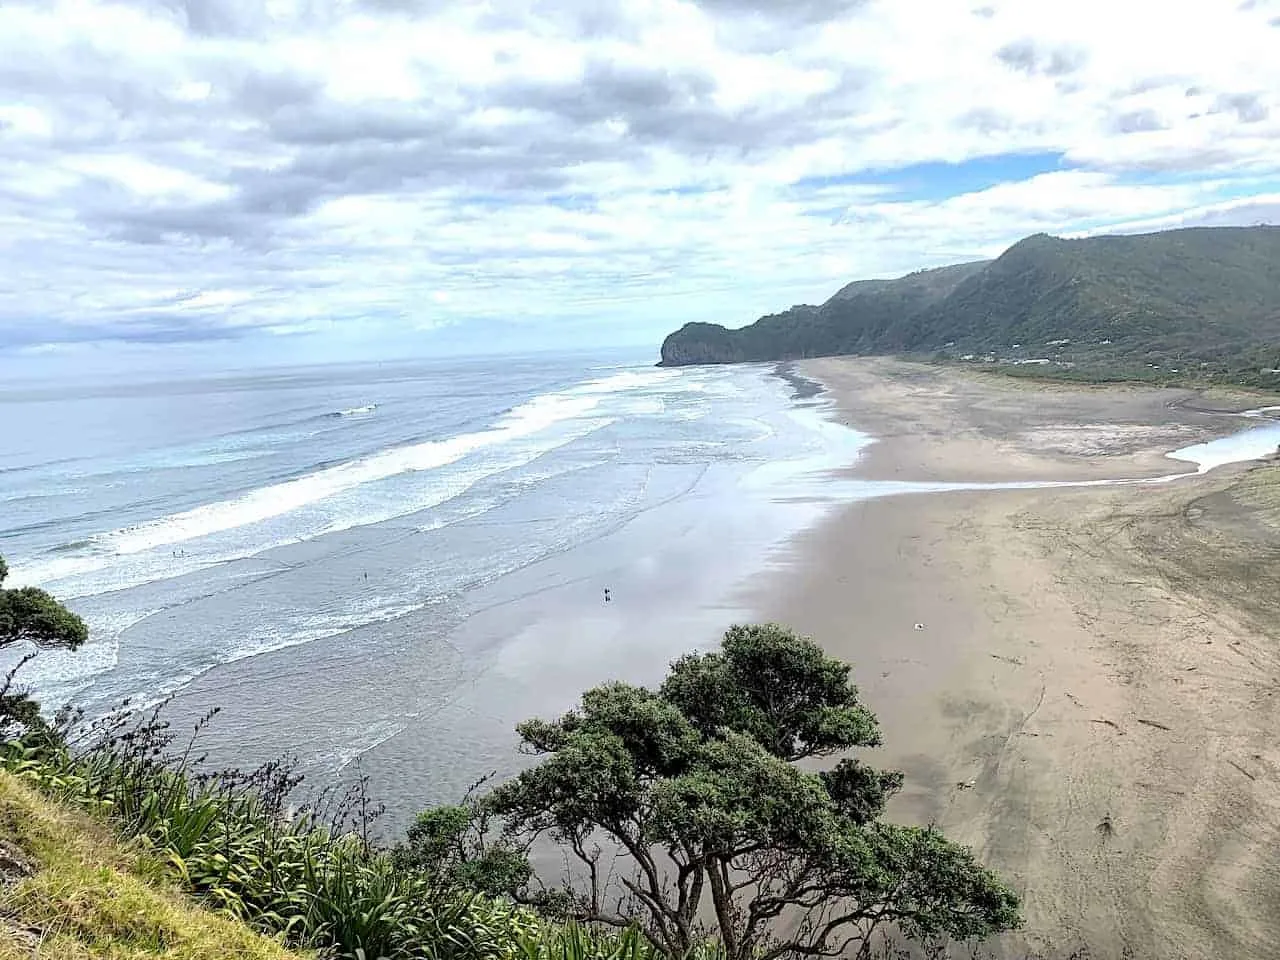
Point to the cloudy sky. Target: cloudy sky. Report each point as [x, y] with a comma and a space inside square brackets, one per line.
[444, 174]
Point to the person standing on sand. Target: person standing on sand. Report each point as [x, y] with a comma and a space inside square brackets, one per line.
[606, 595]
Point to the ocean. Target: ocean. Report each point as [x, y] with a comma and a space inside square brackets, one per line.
[381, 568]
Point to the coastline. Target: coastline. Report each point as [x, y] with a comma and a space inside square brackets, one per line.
[1027, 668]
[441, 687]
[948, 424]
[1089, 703]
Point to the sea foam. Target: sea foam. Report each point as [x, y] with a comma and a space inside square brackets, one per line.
[166, 538]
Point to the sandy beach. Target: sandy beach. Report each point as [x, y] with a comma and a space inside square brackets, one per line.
[1090, 699]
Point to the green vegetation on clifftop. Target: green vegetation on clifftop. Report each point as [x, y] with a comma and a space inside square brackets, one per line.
[693, 833]
[69, 889]
[1202, 303]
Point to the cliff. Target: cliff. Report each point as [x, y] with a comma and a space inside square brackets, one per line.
[1206, 299]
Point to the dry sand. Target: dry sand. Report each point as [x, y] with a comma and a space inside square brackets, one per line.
[1092, 701]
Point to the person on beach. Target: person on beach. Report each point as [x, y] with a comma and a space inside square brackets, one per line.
[606, 595]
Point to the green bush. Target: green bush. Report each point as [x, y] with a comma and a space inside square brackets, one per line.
[313, 882]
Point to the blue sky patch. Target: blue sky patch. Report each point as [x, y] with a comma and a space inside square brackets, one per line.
[939, 181]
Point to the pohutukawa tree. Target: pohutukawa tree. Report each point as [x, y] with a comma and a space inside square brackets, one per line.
[30, 615]
[720, 833]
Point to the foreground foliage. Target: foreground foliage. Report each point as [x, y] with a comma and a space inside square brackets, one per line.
[695, 786]
[310, 877]
[70, 891]
[30, 616]
[733, 851]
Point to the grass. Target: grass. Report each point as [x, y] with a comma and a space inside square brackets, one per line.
[73, 888]
[123, 846]
[90, 896]
[122, 850]
[227, 841]
[1231, 393]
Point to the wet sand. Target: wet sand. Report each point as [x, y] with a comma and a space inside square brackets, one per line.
[1092, 702]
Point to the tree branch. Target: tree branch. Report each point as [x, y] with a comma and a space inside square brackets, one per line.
[722, 900]
[592, 870]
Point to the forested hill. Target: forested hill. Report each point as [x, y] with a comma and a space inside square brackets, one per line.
[1203, 301]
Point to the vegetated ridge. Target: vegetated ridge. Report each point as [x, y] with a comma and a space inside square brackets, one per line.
[702, 772]
[1199, 303]
[70, 889]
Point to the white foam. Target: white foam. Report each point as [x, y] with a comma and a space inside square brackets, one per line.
[443, 490]
[288, 496]
[295, 632]
[627, 380]
[100, 572]
[376, 735]
[644, 407]
[218, 458]
[281, 498]
[152, 542]
[60, 674]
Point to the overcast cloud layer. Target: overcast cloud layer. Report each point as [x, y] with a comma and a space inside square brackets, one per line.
[185, 170]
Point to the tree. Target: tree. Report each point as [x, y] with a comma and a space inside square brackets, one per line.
[29, 615]
[695, 787]
[451, 847]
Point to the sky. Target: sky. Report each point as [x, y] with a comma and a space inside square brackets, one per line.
[311, 179]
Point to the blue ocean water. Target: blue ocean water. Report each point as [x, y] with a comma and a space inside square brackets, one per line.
[272, 542]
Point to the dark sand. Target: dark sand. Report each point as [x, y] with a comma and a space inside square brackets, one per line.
[1093, 701]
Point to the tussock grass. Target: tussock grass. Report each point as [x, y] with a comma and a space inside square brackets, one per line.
[91, 896]
[150, 822]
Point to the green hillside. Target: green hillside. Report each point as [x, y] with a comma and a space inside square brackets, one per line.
[70, 890]
[1199, 302]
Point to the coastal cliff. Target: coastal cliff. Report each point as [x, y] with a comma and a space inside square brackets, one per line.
[1202, 300]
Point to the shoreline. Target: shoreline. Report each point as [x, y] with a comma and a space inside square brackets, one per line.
[941, 424]
[446, 684]
[980, 708]
[1082, 697]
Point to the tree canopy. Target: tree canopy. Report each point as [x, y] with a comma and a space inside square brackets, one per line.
[31, 615]
[450, 846]
[722, 834]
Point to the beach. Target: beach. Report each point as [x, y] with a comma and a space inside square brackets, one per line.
[1080, 683]
[380, 570]
[1077, 681]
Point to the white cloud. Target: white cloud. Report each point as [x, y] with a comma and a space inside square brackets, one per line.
[305, 163]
